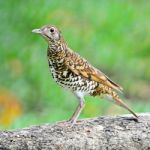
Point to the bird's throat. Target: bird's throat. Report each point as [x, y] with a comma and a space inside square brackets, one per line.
[56, 50]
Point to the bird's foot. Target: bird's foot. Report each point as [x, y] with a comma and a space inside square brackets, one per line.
[133, 119]
[64, 123]
[69, 123]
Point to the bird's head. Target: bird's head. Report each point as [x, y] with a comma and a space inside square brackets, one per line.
[49, 32]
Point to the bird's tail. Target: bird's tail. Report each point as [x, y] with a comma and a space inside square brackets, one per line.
[119, 101]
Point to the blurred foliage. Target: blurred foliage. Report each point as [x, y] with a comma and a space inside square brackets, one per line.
[10, 108]
[116, 34]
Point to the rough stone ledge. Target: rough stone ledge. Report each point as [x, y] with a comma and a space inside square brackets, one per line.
[102, 133]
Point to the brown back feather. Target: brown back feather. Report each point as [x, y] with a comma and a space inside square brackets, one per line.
[80, 66]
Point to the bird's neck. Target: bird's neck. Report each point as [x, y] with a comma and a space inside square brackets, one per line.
[56, 49]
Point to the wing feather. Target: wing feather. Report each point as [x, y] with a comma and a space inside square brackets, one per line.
[80, 66]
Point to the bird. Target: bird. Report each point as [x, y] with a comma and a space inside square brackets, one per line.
[73, 72]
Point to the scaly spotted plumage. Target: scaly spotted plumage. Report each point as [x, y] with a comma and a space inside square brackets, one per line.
[73, 72]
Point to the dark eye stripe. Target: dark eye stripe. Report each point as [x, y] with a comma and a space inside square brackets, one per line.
[49, 38]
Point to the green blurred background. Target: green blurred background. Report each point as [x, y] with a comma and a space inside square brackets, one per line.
[114, 35]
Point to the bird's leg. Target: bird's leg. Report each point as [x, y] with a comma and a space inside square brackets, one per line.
[78, 110]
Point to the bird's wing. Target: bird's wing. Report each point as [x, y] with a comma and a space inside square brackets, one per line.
[81, 67]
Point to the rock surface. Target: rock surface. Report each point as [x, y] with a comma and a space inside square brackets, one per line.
[102, 133]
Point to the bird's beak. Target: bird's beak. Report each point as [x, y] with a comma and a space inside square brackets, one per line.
[37, 31]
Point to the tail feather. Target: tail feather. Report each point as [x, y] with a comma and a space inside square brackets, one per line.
[121, 103]
[115, 86]
[114, 97]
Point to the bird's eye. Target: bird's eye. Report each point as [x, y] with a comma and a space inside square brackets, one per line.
[51, 30]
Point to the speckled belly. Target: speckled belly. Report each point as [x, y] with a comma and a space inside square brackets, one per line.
[74, 82]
